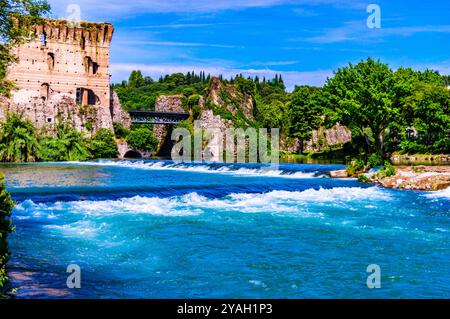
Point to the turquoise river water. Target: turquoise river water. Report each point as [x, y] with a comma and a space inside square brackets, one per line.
[158, 229]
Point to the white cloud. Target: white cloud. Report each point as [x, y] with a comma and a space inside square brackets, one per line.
[103, 9]
[121, 71]
[358, 31]
[174, 44]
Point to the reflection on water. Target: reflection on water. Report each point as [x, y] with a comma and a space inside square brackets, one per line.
[48, 175]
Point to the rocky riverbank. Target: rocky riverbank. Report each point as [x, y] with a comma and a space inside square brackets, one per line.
[425, 178]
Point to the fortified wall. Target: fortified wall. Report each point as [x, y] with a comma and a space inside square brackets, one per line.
[63, 74]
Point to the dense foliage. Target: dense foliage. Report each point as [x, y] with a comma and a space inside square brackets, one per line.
[141, 92]
[102, 144]
[6, 206]
[20, 142]
[67, 145]
[142, 138]
[387, 111]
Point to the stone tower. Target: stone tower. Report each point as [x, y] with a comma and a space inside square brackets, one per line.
[63, 75]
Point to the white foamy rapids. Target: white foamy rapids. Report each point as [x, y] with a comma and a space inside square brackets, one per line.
[445, 193]
[267, 171]
[195, 204]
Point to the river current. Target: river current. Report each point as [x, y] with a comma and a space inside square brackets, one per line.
[158, 229]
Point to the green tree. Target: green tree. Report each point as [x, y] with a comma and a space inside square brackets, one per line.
[6, 206]
[103, 145]
[362, 96]
[136, 79]
[18, 142]
[430, 108]
[271, 115]
[11, 33]
[142, 138]
[304, 113]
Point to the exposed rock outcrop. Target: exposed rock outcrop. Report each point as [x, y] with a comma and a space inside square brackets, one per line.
[164, 103]
[342, 173]
[426, 178]
[323, 138]
[118, 114]
[227, 96]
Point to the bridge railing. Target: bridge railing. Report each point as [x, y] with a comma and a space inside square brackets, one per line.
[155, 117]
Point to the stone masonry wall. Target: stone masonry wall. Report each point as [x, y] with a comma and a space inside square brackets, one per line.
[64, 74]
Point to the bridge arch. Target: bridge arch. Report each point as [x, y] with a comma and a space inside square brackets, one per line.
[132, 154]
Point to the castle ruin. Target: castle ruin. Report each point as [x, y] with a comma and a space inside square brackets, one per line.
[63, 75]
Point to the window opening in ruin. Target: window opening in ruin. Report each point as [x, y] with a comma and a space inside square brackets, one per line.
[83, 42]
[92, 98]
[86, 97]
[90, 67]
[45, 90]
[95, 67]
[87, 64]
[43, 39]
[51, 61]
[79, 98]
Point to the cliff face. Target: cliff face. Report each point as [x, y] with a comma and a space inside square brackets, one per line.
[118, 114]
[227, 97]
[163, 132]
[322, 138]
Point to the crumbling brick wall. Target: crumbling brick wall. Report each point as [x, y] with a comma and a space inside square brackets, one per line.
[64, 67]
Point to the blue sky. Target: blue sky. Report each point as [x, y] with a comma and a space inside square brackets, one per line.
[303, 40]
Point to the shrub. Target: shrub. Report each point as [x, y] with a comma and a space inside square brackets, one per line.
[119, 130]
[187, 92]
[194, 100]
[410, 147]
[67, 145]
[356, 165]
[52, 150]
[374, 160]
[142, 138]
[363, 179]
[389, 170]
[102, 145]
[6, 206]
[18, 142]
